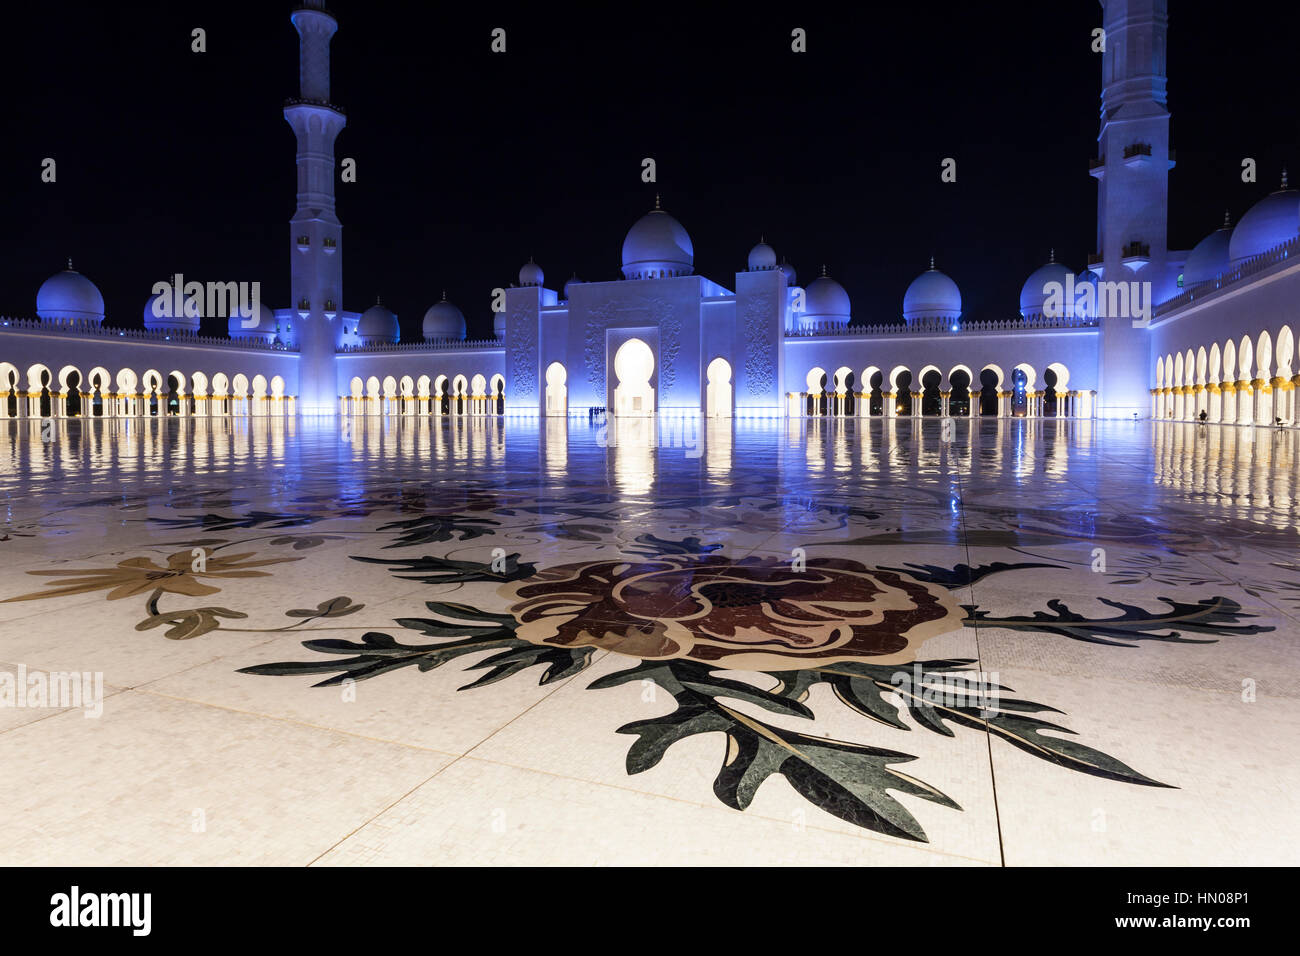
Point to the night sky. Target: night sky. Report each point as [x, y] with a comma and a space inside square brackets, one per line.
[469, 162]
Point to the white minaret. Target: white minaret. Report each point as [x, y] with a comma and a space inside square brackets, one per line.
[315, 234]
[1133, 191]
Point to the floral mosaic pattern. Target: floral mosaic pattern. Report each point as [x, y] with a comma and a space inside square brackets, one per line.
[729, 639]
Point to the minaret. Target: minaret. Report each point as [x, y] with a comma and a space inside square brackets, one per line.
[1133, 192]
[315, 234]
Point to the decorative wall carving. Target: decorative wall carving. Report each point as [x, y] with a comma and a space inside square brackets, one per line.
[521, 347]
[760, 341]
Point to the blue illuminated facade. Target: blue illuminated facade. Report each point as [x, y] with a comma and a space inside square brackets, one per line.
[660, 339]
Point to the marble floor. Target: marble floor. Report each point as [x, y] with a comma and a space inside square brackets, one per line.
[499, 641]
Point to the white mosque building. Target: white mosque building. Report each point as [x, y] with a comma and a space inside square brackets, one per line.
[1142, 330]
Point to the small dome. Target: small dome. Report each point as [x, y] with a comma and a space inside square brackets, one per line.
[1034, 293]
[932, 295]
[69, 295]
[443, 321]
[1269, 223]
[568, 287]
[165, 316]
[825, 299]
[790, 275]
[264, 329]
[531, 274]
[762, 257]
[657, 246]
[1211, 256]
[378, 326]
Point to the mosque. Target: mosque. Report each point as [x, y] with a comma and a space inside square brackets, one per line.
[1142, 330]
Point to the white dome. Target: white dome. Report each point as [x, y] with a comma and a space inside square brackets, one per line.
[657, 246]
[762, 257]
[1211, 256]
[568, 287]
[790, 275]
[826, 299]
[1033, 294]
[531, 274]
[264, 329]
[378, 326]
[443, 321]
[186, 319]
[932, 295]
[69, 295]
[1269, 223]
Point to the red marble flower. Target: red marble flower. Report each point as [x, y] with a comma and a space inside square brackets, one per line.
[751, 614]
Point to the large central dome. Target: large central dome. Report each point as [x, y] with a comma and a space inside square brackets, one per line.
[656, 247]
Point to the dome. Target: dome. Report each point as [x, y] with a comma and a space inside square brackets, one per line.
[265, 328]
[790, 275]
[378, 326]
[1033, 294]
[762, 257]
[443, 321]
[1269, 223]
[568, 287]
[657, 246]
[932, 295]
[1210, 257]
[69, 295]
[186, 319]
[826, 300]
[531, 274]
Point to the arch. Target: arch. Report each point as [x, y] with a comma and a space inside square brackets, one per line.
[901, 385]
[99, 390]
[1285, 352]
[991, 401]
[497, 394]
[1160, 372]
[1264, 355]
[997, 371]
[717, 392]
[1215, 364]
[557, 393]
[1245, 358]
[893, 376]
[959, 384]
[634, 364]
[70, 385]
[459, 388]
[815, 382]
[239, 394]
[930, 380]
[1178, 370]
[1230, 361]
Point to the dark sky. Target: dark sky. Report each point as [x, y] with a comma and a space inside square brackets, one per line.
[470, 162]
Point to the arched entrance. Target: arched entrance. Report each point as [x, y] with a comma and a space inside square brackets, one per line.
[717, 393]
[634, 363]
[557, 393]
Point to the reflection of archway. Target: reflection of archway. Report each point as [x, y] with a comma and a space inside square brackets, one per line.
[634, 363]
[717, 393]
[557, 393]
